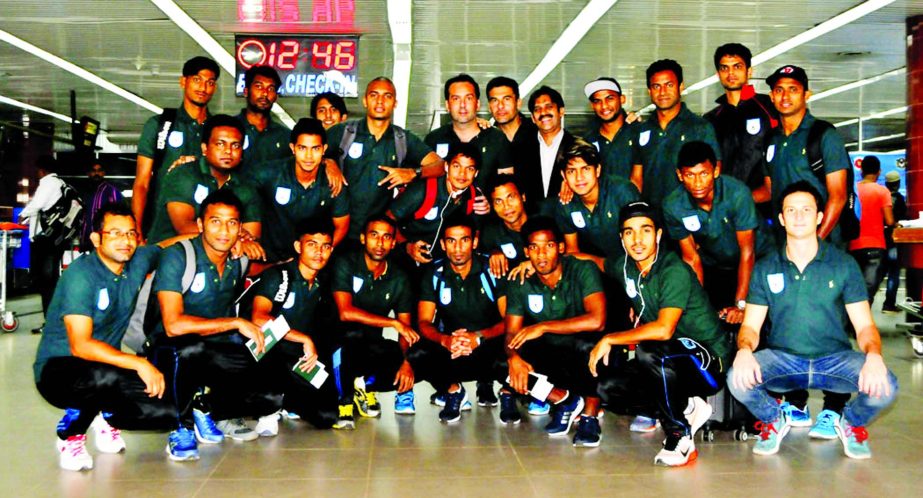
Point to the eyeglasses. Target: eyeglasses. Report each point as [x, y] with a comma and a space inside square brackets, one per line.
[118, 234]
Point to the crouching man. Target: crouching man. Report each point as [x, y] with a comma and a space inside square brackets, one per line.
[805, 289]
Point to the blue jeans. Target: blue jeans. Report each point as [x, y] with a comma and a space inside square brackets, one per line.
[837, 372]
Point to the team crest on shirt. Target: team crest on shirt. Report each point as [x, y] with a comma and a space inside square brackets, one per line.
[770, 152]
[175, 139]
[289, 301]
[198, 283]
[577, 218]
[509, 250]
[692, 223]
[442, 150]
[246, 142]
[355, 150]
[753, 126]
[445, 296]
[201, 192]
[776, 282]
[644, 138]
[630, 288]
[283, 195]
[357, 284]
[103, 301]
[431, 214]
[536, 303]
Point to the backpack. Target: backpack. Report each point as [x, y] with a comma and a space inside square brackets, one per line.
[849, 217]
[349, 136]
[144, 316]
[164, 126]
[63, 220]
[244, 301]
[432, 191]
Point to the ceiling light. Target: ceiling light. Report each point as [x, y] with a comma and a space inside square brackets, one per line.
[30, 107]
[78, 71]
[214, 49]
[856, 84]
[569, 38]
[877, 139]
[876, 115]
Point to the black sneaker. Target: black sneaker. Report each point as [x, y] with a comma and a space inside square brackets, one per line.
[486, 396]
[509, 412]
[453, 403]
[589, 434]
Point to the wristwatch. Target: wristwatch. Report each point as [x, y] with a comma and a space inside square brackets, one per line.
[741, 304]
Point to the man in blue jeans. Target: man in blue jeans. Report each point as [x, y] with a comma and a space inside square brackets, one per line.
[806, 289]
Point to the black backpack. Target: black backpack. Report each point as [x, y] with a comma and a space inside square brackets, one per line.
[849, 217]
[62, 221]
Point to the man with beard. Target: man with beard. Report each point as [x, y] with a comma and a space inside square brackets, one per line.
[264, 138]
[502, 238]
[99, 193]
[658, 140]
[172, 138]
[613, 136]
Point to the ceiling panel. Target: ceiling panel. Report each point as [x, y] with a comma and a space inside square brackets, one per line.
[134, 45]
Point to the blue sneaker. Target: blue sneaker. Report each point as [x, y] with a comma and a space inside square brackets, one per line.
[181, 445]
[771, 435]
[825, 426]
[537, 408]
[70, 415]
[509, 412]
[453, 406]
[206, 432]
[796, 416]
[563, 415]
[403, 403]
[438, 399]
[854, 439]
[589, 434]
[643, 424]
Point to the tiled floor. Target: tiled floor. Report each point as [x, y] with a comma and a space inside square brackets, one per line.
[411, 456]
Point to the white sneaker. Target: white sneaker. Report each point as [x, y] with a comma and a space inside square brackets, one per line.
[676, 451]
[236, 429]
[73, 455]
[108, 439]
[698, 411]
[268, 425]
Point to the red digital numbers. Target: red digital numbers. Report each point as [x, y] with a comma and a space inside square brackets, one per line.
[339, 55]
[288, 55]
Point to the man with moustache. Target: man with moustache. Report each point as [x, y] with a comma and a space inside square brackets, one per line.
[264, 138]
[613, 136]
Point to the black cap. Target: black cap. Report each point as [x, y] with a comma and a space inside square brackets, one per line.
[793, 72]
[638, 209]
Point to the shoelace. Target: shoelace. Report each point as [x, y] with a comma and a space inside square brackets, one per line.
[183, 437]
[765, 429]
[859, 432]
[76, 445]
[209, 423]
[370, 398]
[346, 410]
[455, 399]
[825, 419]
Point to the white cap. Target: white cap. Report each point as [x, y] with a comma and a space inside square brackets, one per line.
[601, 84]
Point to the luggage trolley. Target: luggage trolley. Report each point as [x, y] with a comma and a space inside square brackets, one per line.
[10, 234]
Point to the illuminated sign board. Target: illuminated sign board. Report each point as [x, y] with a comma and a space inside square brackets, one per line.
[307, 64]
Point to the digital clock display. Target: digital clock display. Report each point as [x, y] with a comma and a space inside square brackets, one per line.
[308, 64]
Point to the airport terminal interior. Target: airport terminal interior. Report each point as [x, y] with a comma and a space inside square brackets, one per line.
[72, 69]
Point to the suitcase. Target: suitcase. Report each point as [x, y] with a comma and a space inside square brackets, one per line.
[728, 414]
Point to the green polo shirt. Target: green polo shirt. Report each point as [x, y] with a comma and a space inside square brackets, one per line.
[380, 296]
[210, 296]
[671, 284]
[185, 139]
[426, 228]
[285, 203]
[787, 160]
[598, 230]
[89, 288]
[715, 231]
[360, 166]
[657, 150]
[468, 303]
[261, 146]
[536, 302]
[300, 304]
[496, 152]
[191, 183]
[497, 237]
[616, 154]
[808, 309]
